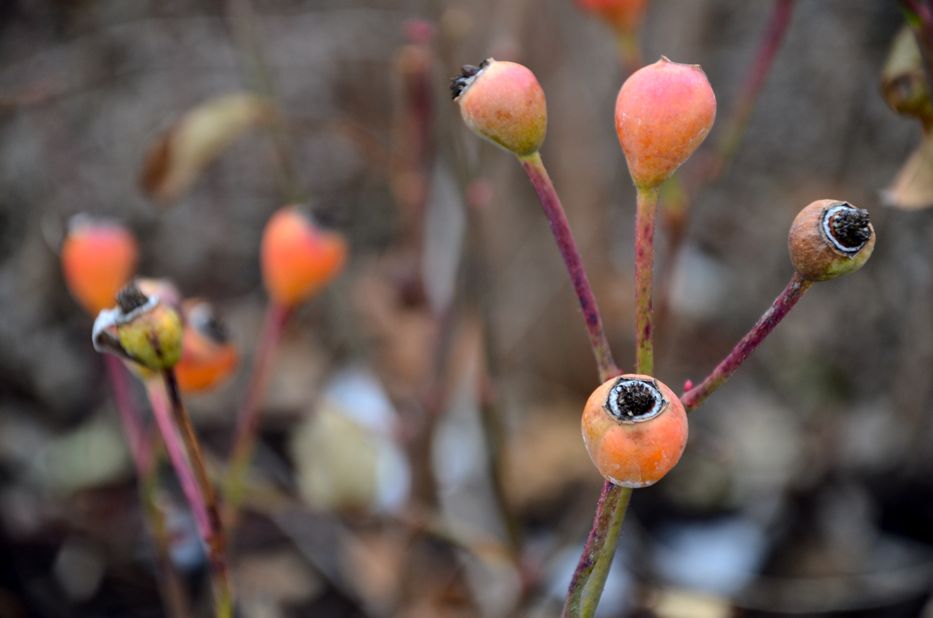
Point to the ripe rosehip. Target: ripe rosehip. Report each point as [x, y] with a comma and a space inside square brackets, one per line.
[635, 430]
[207, 357]
[98, 258]
[504, 103]
[829, 238]
[663, 113]
[298, 257]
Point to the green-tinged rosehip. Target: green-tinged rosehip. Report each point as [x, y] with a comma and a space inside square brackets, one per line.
[663, 113]
[141, 329]
[635, 430]
[504, 103]
[830, 238]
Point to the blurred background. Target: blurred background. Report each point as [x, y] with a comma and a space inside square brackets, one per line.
[420, 451]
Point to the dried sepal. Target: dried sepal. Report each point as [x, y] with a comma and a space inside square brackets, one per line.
[177, 158]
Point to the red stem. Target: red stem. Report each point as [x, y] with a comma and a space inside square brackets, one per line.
[248, 420]
[560, 228]
[140, 447]
[766, 323]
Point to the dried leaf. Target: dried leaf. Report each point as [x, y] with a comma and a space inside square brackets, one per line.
[912, 188]
[180, 154]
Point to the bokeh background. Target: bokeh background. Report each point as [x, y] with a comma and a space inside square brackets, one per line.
[449, 359]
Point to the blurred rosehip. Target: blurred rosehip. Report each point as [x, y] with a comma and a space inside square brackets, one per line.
[140, 329]
[635, 430]
[163, 289]
[503, 103]
[829, 238]
[207, 357]
[623, 15]
[98, 258]
[298, 257]
[663, 113]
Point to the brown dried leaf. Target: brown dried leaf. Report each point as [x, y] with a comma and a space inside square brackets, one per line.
[912, 188]
[180, 154]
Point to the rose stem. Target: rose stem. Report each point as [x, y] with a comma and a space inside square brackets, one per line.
[146, 463]
[725, 146]
[206, 496]
[560, 228]
[248, 420]
[589, 578]
[781, 306]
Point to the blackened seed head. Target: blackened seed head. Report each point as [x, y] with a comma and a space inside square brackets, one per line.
[635, 400]
[131, 297]
[467, 73]
[851, 227]
[214, 328]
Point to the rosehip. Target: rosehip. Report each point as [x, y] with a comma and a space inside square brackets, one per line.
[298, 257]
[829, 238]
[141, 329]
[207, 356]
[98, 258]
[635, 430]
[663, 113]
[623, 15]
[503, 103]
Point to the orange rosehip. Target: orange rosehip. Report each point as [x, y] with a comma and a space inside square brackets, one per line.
[207, 355]
[623, 15]
[635, 430]
[830, 238]
[298, 257]
[98, 258]
[503, 103]
[663, 113]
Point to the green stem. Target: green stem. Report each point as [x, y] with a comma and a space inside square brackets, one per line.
[644, 277]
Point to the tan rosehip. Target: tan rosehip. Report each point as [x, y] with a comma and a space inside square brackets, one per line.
[663, 113]
[830, 238]
[503, 103]
[635, 430]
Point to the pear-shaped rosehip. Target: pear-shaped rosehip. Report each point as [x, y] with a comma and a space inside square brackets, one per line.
[829, 238]
[141, 329]
[98, 258]
[504, 103]
[635, 430]
[663, 113]
[298, 257]
[208, 357]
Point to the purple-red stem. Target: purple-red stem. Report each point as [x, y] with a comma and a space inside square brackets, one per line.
[772, 317]
[140, 447]
[751, 88]
[248, 420]
[560, 228]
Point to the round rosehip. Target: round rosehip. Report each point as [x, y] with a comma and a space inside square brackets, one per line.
[207, 356]
[140, 329]
[635, 430]
[98, 258]
[663, 113]
[298, 257]
[829, 238]
[504, 103]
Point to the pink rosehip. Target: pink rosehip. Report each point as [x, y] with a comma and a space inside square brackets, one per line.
[504, 103]
[663, 113]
